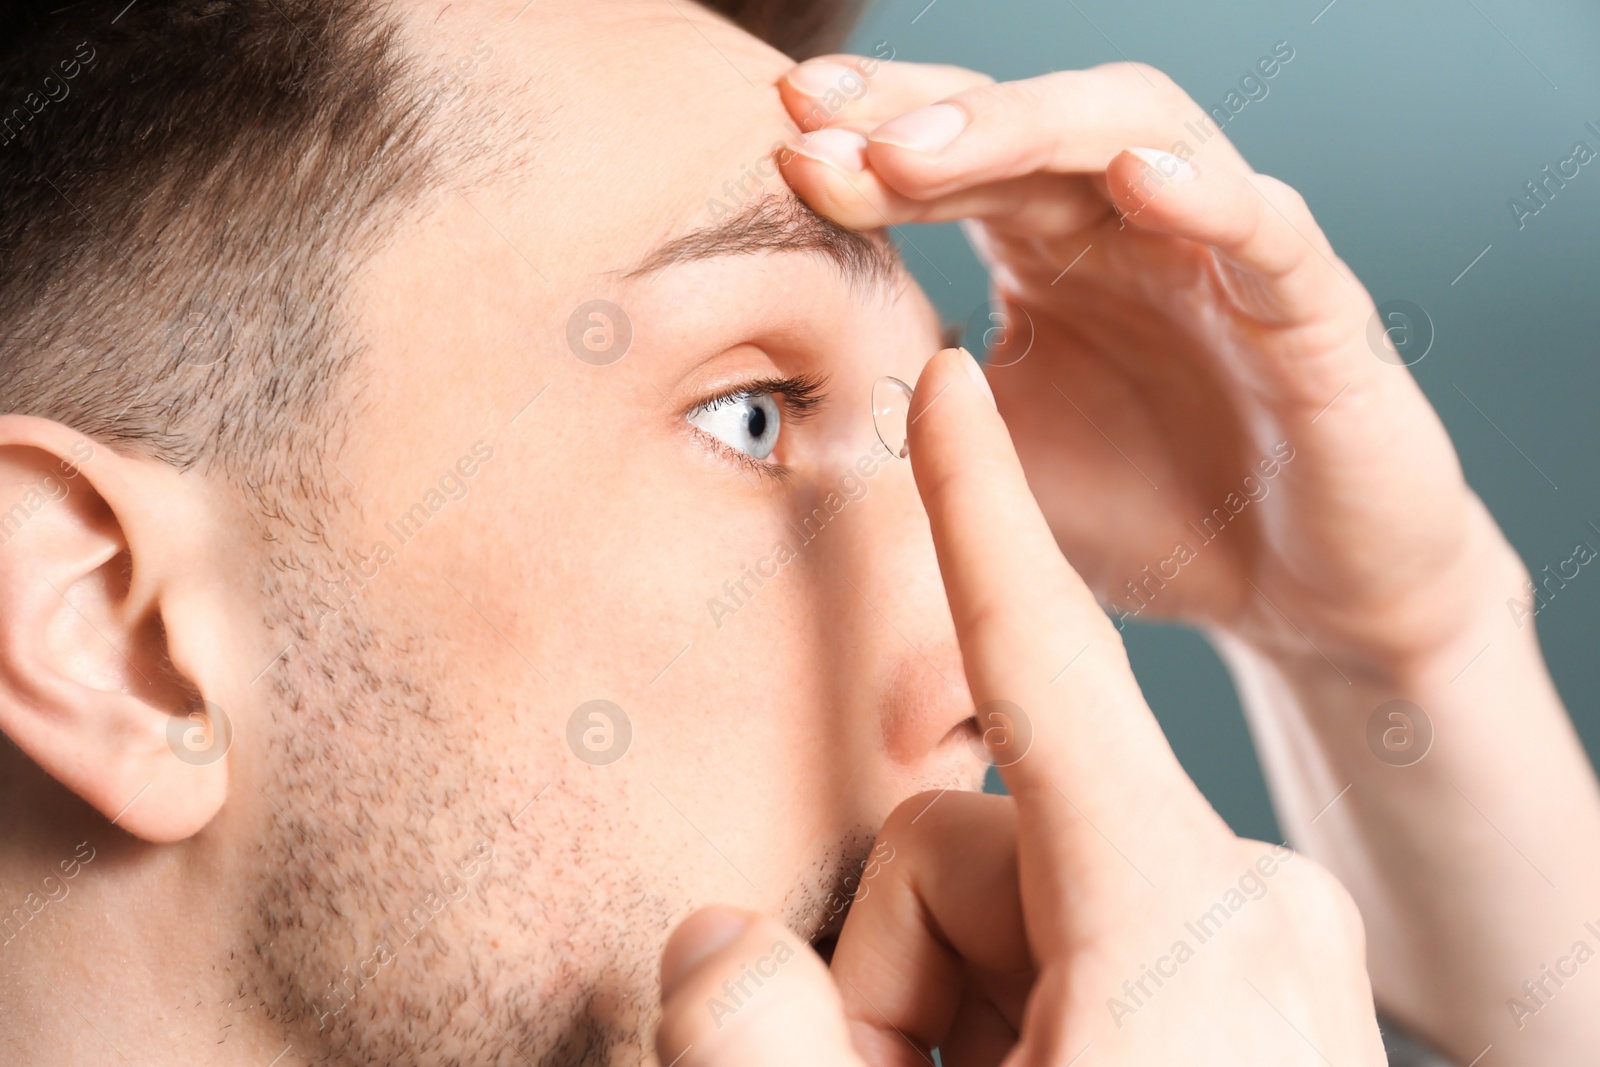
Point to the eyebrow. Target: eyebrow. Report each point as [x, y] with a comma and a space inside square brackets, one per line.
[782, 223]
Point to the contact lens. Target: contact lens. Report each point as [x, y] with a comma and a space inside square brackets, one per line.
[891, 412]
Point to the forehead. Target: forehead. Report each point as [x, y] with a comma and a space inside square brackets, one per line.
[628, 121]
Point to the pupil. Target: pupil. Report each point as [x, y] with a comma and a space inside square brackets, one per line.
[757, 424]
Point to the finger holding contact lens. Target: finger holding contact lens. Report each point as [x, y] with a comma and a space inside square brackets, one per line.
[891, 412]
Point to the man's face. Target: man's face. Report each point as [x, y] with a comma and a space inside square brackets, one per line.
[464, 858]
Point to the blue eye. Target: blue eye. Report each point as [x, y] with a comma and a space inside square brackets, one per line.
[745, 422]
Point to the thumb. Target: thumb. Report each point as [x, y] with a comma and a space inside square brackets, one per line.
[741, 990]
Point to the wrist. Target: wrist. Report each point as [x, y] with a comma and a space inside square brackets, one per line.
[1319, 699]
[1421, 635]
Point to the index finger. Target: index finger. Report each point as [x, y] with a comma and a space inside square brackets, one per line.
[1064, 122]
[1084, 757]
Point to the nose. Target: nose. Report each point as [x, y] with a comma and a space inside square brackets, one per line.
[895, 639]
[925, 713]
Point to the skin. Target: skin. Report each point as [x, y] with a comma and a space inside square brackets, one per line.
[1215, 322]
[412, 749]
[425, 723]
[1005, 949]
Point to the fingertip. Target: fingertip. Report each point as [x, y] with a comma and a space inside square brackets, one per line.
[1139, 179]
[950, 368]
[820, 75]
[697, 939]
[1164, 166]
[979, 378]
[828, 170]
[842, 149]
[951, 386]
[744, 990]
[966, 470]
[928, 130]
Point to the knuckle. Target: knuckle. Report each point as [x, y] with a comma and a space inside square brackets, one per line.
[1055, 83]
[1145, 70]
[1142, 76]
[965, 77]
[1026, 94]
[1286, 197]
[1326, 907]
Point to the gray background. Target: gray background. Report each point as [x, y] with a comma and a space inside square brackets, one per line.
[1407, 127]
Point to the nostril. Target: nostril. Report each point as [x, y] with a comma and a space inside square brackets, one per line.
[971, 735]
[922, 710]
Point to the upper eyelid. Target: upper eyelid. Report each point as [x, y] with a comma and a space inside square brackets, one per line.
[803, 394]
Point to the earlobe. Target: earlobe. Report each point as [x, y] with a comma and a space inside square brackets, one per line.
[88, 689]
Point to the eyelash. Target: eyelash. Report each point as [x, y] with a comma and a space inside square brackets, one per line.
[803, 395]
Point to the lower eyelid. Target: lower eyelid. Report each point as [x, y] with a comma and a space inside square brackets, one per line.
[743, 459]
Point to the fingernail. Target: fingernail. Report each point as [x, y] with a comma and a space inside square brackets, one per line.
[702, 935]
[975, 372]
[844, 149]
[1167, 165]
[819, 77]
[926, 129]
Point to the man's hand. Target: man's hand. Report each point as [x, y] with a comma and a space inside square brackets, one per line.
[1219, 431]
[1030, 926]
[1187, 366]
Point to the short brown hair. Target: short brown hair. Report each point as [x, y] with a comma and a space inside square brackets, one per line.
[185, 187]
[800, 28]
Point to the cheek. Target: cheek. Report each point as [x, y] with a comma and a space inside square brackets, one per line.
[617, 576]
[742, 734]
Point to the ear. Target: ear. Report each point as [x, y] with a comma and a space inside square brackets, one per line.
[89, 687]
